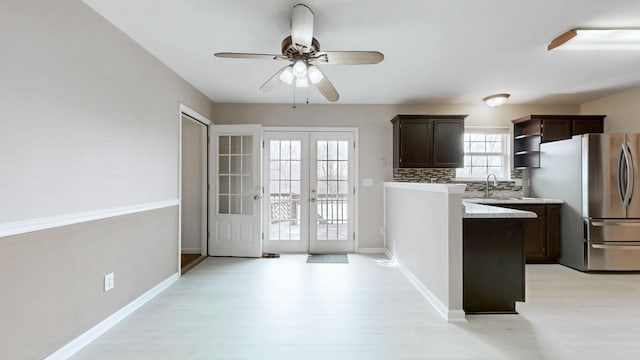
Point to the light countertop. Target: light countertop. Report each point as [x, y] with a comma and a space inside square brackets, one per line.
[512, 200]
[473, 210]
[432, 187]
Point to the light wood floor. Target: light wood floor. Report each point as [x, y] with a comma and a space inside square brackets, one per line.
[287, 309]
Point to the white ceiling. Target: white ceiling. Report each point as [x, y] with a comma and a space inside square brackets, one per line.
[436, 51]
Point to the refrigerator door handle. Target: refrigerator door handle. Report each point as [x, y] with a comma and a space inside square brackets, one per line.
[613, 223]
[621, 164]
[631, 174]
[617, 247]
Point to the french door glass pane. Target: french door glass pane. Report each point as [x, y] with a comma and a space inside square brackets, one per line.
[284, 189]
[235, 174]
[332, 190]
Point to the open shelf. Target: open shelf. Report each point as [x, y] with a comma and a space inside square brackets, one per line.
[532, 130]
[525, 136]
[526, 160]
[525, 152]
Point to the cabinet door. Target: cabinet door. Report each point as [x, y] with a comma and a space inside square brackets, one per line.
[584, 126]
[555, 129]
[534, 232]
[448, 143]
[416, 143]
[535, 239]
[553, 232]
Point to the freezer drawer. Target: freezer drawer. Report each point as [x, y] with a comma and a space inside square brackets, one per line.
[601, 230]
[612, 256]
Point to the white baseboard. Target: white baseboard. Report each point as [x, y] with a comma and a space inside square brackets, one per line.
[384, 251]
[191, 251]
[83, 340]
[442, 309]
[371, 250]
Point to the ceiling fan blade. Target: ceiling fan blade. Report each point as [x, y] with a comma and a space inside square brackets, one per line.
[326, 88]
[350, 57]
[249, 56]
[273, 81]
[302, 26]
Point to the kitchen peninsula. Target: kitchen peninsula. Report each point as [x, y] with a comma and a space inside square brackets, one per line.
[424, 233]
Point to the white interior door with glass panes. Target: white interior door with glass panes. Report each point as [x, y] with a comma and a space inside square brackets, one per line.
[309, 199]
[237, 223]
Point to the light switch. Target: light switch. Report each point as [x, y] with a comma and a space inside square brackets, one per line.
[367, 182]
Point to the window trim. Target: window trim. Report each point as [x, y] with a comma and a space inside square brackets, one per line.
[506, 151]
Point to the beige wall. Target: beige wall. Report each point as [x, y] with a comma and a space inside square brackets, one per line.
[622, 110]
[52, 280]
[89, 121]
[375, 137]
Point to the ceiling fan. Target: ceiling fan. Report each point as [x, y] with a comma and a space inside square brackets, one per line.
[303, 51]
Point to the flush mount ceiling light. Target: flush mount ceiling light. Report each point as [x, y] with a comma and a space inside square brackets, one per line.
[496, 100]
[597, 39]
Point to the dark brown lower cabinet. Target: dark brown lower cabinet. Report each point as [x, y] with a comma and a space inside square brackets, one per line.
[542, 234]
[493, 265]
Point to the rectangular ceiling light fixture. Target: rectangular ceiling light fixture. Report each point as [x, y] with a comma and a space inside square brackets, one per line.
[597, 39]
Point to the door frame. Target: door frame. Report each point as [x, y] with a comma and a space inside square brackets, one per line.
[356, 168]
[194, 115]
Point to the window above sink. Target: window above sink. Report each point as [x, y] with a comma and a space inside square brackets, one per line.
[486, 151]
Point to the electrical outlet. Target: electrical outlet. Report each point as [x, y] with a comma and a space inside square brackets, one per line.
[518, 182]
[108, 282]
[382, 230]
[367, 182]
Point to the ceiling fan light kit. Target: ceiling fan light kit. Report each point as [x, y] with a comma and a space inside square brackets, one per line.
[300, 69]
[302, 82]
[315, 75]
[302, 50]
[496, 100]
[286, 76]
[597, 39]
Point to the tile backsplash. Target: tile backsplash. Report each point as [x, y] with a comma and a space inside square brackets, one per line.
[442, 175]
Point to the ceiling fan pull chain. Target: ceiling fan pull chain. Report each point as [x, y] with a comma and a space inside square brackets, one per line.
[293, 106]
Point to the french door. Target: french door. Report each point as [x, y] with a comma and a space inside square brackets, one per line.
[309, 191]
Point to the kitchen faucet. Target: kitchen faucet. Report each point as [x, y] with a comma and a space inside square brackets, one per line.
[495, 183]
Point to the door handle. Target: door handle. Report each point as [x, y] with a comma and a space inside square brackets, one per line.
[312, 200]
[257, 197]
[602, 223]
[621, 191]
[631, 168]
[616, 247]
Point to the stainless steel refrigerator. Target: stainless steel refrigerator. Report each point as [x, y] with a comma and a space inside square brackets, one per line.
[597, 175]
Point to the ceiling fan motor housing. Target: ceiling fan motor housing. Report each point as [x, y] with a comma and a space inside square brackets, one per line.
[290, 50]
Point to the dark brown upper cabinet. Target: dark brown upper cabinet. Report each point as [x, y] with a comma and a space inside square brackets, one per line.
[532, 130]
[428, 141]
